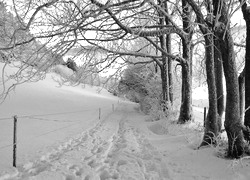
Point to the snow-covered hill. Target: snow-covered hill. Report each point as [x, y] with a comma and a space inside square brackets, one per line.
[47, 115]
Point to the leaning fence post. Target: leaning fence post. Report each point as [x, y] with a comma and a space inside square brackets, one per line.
[205, 113]
[14, 141]
[99, 113]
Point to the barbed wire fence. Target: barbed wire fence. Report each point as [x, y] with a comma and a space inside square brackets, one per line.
[97, 115]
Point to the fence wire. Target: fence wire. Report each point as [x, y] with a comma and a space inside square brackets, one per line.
[38, 117]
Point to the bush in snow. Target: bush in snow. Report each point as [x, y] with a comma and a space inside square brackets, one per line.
[141, 84]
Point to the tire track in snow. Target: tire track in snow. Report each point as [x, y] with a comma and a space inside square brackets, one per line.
[113, 149]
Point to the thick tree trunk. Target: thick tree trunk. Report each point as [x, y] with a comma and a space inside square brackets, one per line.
[211, 125]
[165, 87]
[164, 66]
[218, 71]
[219, 83]
[247, 76]
[186, 108]
[232, 123]
[186, 112]
[246, 15]
[164, 75]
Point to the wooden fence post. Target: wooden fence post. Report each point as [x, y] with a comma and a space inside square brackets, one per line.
[99, 113]
[14, 141]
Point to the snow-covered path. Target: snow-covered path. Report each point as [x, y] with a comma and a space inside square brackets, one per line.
[113, 149]
[124, 146]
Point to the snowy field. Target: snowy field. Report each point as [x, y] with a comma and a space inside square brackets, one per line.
[48, 115]
[60, 137]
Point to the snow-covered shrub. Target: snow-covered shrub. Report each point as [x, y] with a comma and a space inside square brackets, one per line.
[133, 83]
[71, 77]
[155, 111]
[63, 71]
[142, 85]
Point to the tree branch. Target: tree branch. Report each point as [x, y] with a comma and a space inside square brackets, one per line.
[175, 58]
[141, 32]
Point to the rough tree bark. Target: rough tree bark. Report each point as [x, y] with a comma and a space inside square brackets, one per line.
[218, 67]
[186, 112]
[211, 125]
[165, 84]
[186, 108]
[232, 114]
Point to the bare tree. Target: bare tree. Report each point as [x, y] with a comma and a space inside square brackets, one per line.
[220, 23]
[211, 128]
[232, 123]
[28, 58]
[186, 108]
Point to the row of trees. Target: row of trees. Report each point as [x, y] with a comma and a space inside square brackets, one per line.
[158, 31]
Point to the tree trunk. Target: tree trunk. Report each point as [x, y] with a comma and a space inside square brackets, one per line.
[232, 122]
[170, 73]
[246, 14]
[165, 88]
[186, 108]
[218, 67]
[164, 66]
[211, 126]
[164, 75]
[168, 47]
[241, 80]
[186, 112]
[218, 70]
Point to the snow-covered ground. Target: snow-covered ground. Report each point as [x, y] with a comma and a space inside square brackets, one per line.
[48, 115]
[60, 137]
